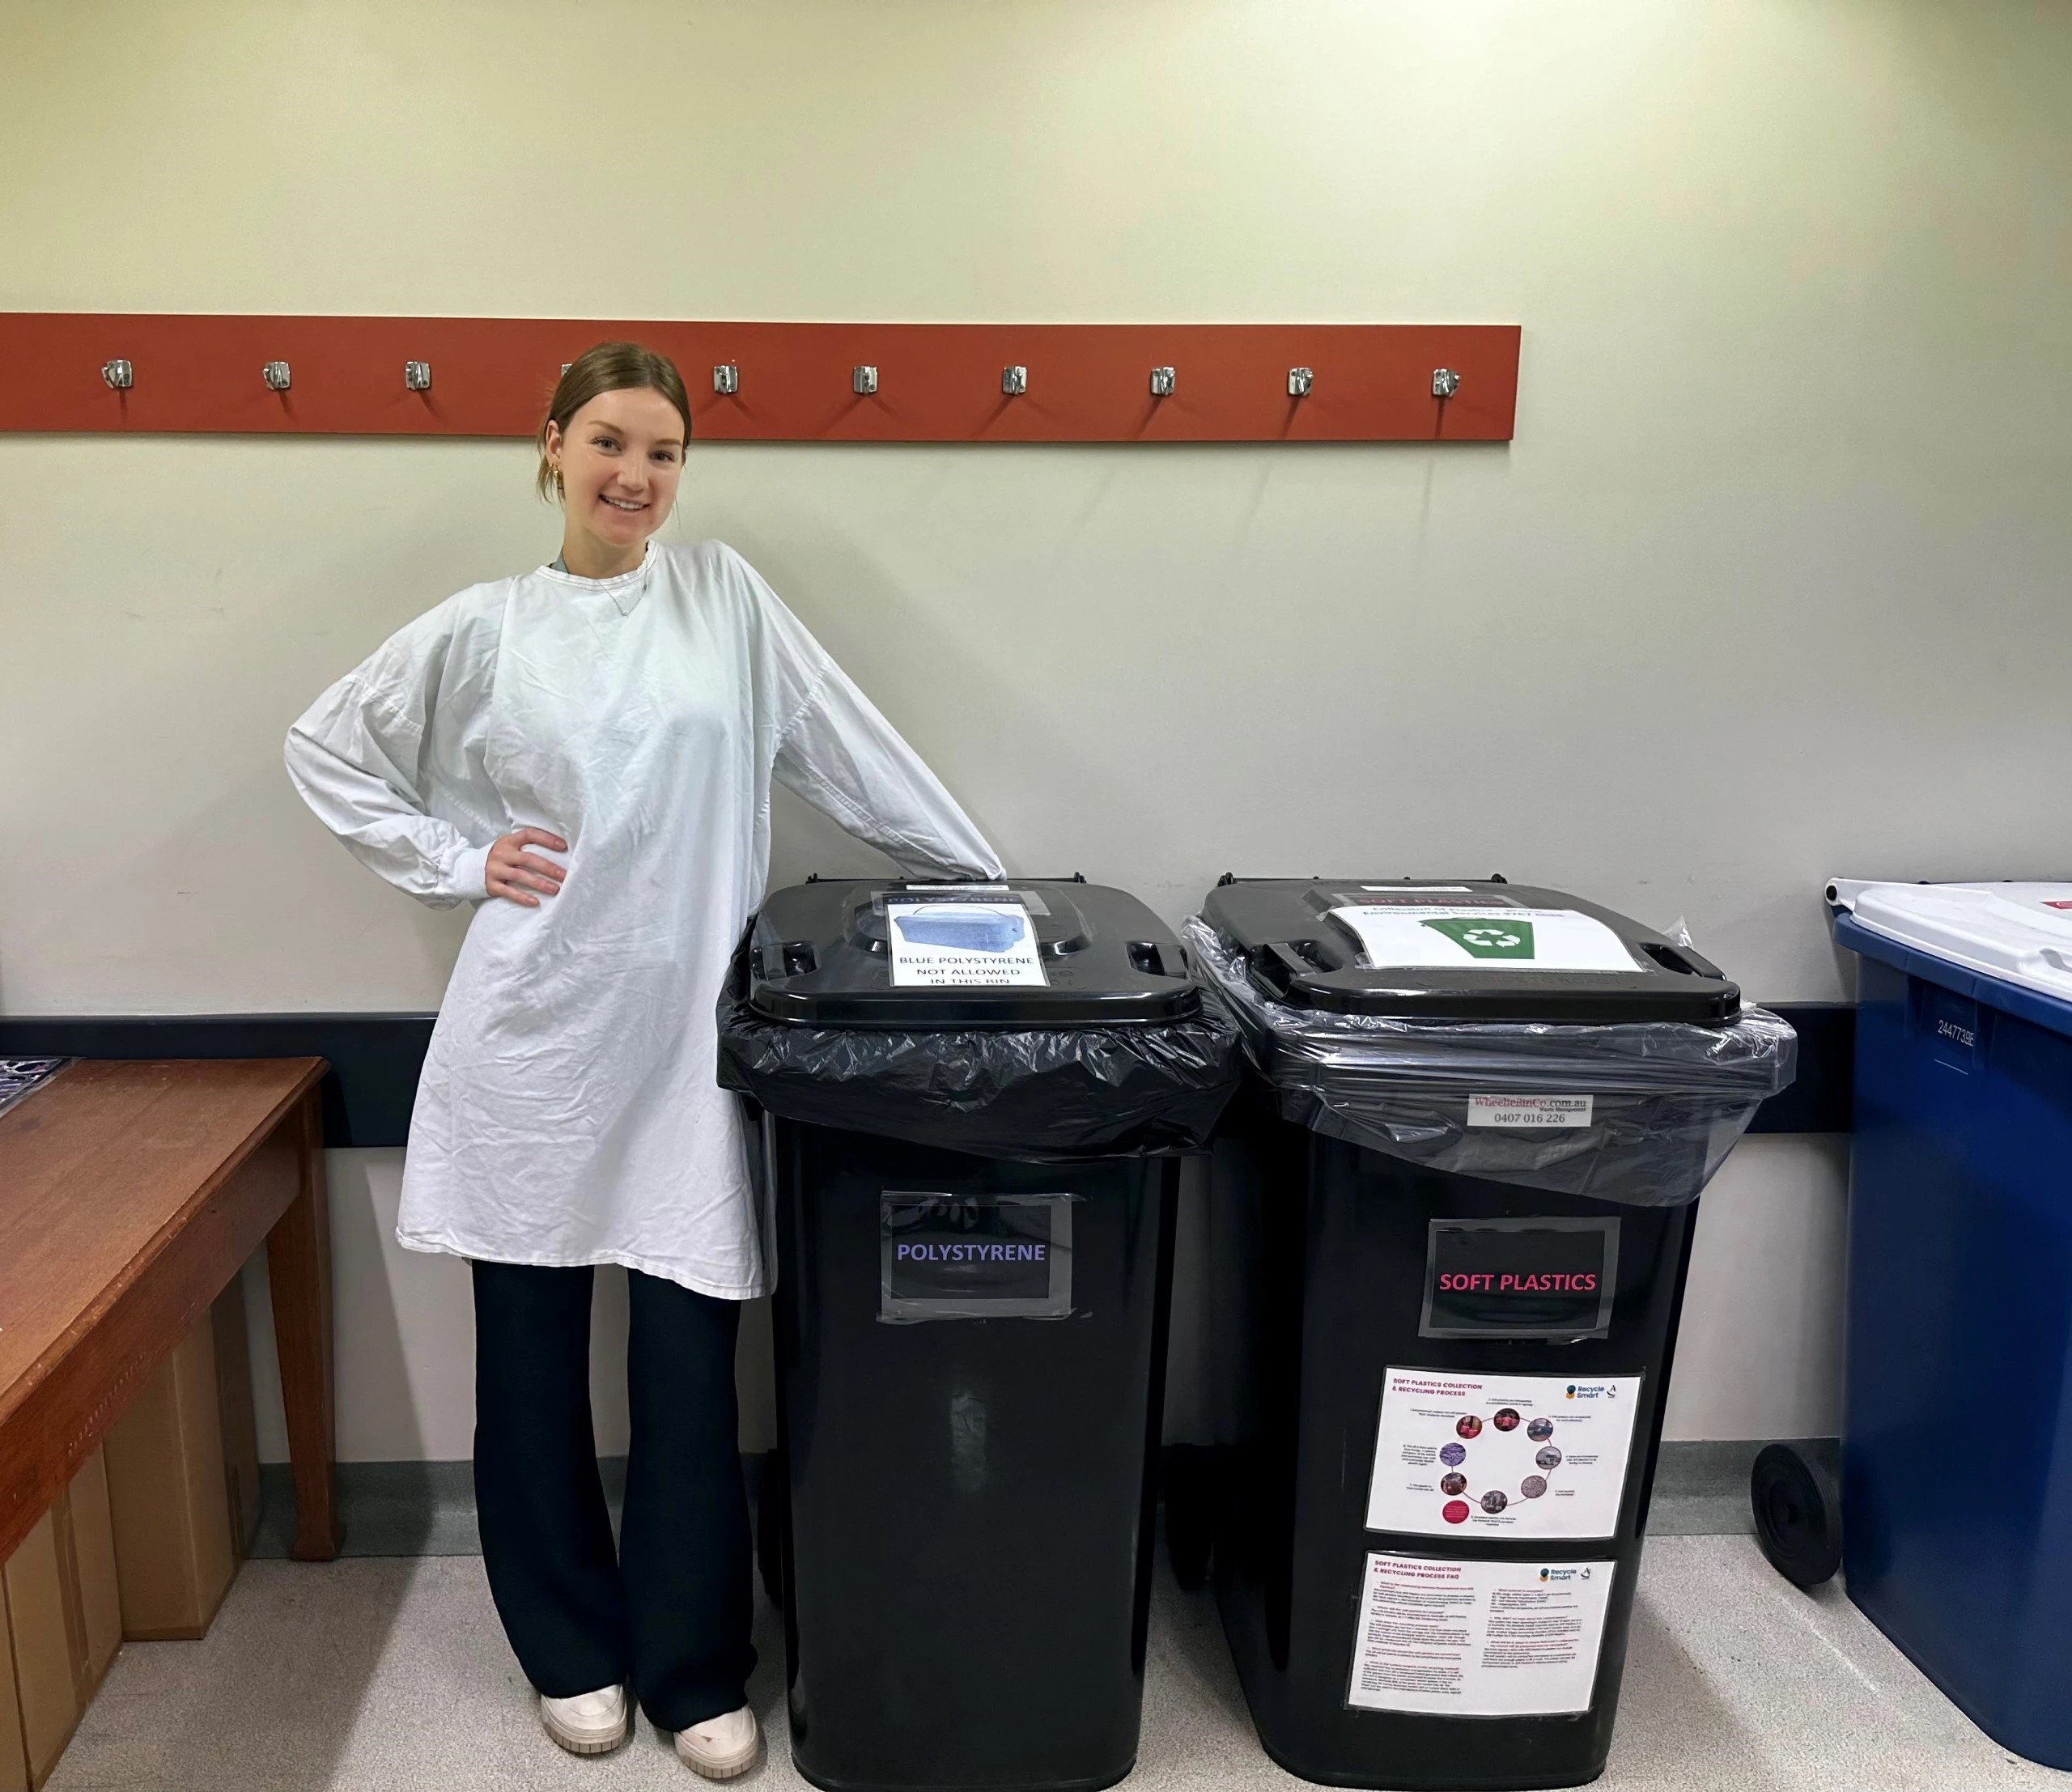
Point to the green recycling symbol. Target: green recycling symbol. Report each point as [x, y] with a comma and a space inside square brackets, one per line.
[1487, 939]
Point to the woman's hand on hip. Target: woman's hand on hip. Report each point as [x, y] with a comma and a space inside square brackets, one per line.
[514, 873]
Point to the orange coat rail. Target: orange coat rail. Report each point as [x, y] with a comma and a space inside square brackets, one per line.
[67, 372]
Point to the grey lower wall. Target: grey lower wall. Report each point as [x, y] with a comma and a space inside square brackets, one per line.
[1759, 1355]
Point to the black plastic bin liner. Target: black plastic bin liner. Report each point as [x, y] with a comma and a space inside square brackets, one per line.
[1038, 1094]
[1668, 1098]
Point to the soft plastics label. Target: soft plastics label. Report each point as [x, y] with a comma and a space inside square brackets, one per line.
[1431, 937]
[958, 944]
[1554, 1277]
[1461, 1639]
[1501, 1456]
[1530, 1111]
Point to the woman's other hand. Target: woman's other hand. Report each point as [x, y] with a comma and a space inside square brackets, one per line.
[513, 872]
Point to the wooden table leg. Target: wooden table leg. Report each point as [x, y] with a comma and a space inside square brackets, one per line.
[299, 1272]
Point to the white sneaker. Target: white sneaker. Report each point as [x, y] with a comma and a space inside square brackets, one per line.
[721, 1747]
[591, 1724]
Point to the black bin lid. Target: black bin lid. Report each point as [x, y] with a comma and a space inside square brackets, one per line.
[1459, 949]
[879, 953]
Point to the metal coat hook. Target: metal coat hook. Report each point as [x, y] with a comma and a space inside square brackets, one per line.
[1300, 380]
[1445, 382]
[1014, 381]
[863, 381]
[276, 375]
[1163, 381]
[727, 379]
[417, 376]
[118, 376]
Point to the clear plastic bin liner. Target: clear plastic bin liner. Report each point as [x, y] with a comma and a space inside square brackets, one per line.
[1037, 1094]
[1667, 1100]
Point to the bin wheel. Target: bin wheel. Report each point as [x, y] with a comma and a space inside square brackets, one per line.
[771, 1519]
[1798, 1513]
[1190, 1515]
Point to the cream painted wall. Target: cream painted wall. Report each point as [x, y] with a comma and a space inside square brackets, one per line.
[1772, 583]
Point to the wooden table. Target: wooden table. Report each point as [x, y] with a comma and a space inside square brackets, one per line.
[130, 1194]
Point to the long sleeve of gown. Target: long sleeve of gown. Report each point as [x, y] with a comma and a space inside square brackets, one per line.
[838, 752]
[355, 758]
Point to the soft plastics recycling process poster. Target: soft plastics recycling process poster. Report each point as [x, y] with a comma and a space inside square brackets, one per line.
[1462, 1639]
[962, 945]
[1514, 1455]
[1400, 936]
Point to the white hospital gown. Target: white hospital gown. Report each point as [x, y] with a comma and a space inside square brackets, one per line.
[568, 1113]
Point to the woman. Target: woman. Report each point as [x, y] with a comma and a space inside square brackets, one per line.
[586, 751]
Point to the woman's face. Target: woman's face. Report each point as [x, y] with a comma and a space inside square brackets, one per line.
[619, 464]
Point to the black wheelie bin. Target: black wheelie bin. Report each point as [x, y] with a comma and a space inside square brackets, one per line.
[974, 1100]
[1449, 1221]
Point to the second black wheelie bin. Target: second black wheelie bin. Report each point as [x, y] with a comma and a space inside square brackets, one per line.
[1448, 1221]
[974, 1101]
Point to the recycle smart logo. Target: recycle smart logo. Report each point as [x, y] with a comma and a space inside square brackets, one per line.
[1481, 938]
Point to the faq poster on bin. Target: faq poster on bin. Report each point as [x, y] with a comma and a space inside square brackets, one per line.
[1466, 1639]
[962, 945]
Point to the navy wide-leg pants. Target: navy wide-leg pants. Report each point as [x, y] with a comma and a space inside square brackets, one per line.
[666, 1612]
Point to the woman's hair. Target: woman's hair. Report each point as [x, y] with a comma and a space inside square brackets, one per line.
[609, 366]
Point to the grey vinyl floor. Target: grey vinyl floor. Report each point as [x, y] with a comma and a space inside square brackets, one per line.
[389, 1675]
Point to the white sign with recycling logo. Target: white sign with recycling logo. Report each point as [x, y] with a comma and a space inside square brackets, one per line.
[1436, 937]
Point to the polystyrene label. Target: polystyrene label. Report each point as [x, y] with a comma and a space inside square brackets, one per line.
[1501, 1455]
[1462, 1639]
[961, 944]
[944, 1256]
[1433, 937]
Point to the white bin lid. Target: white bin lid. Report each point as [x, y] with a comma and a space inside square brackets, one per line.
[2021, 933]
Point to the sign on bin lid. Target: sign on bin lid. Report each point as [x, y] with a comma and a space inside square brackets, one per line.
[1460, 950]
[949, 939]
[1434, 936]
[2019, 932]
[1030, 953]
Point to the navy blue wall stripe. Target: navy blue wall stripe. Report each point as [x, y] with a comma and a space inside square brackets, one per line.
[375, 1059]
[1822, 1098]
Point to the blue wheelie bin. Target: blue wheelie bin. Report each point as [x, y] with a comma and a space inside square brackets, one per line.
[1957, 1428]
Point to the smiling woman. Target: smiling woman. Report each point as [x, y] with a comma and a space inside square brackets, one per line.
[611, 450]
[585, 751]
